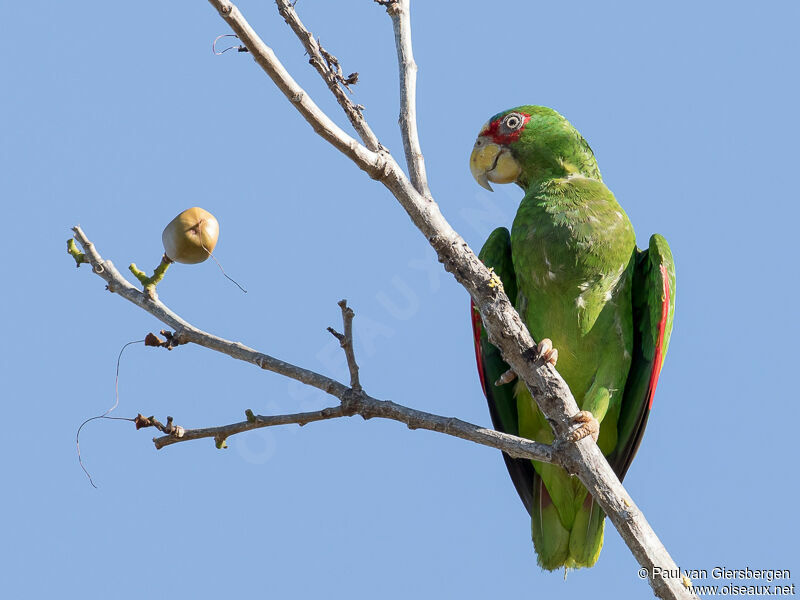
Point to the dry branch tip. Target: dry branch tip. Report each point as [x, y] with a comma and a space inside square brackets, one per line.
[346, 342]
[171, 340]
[170, 428]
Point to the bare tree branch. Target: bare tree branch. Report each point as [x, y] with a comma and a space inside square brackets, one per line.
[353, 402]
[400, 11]
[328, 67]
[346, 341]
[369, 408]
[220, 434]
[369, 161]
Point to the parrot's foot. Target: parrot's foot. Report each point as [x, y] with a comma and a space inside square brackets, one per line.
[505, 378]
[546, 352]
[586, 425]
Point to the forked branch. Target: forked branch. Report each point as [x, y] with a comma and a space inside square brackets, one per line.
[328, 68]
[346, 341]
[353, 401]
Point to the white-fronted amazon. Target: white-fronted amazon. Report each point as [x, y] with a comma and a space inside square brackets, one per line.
[571, 267]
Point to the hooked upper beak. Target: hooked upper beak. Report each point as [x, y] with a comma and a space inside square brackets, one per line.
[492, 162]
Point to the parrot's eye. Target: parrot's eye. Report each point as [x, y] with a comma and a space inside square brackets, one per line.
[513, 121]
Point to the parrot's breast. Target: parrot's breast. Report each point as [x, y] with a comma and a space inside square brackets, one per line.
[572, 248]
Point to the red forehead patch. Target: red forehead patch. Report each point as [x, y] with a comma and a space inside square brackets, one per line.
[500, 134]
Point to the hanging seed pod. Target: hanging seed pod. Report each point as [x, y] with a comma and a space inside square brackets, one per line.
[190, 237]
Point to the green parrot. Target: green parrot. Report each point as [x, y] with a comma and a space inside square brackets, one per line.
[600, 306]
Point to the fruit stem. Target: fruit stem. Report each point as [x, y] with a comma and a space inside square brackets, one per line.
[149, 283]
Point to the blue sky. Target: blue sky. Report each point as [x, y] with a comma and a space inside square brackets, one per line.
[117, 116]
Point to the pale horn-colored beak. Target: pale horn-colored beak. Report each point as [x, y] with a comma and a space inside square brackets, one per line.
[482, 160]
[492, 162]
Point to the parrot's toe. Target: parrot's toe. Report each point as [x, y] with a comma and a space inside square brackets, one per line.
[505, 378]
[586, 425]
[546, 352]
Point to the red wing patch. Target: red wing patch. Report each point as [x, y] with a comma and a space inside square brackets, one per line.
[476, 333]
[658, 360]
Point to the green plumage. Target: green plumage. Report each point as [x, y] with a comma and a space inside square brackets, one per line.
[573, 270]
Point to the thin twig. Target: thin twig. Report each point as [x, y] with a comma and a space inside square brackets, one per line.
[400, 12]
[369, 408]
[346, 342]
[373, 162]
[252, 422]
[328, 67]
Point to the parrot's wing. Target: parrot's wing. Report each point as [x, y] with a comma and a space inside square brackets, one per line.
[653, 310]
[496, 254]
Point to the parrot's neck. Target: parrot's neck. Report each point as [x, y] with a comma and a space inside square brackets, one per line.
[538, 185]
[537, 176]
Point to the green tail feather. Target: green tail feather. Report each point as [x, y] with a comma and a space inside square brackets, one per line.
[566, 524]
[556, 545]
[550, 537]
[586, 537]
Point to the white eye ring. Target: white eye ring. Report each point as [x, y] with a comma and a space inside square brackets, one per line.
[513, 121]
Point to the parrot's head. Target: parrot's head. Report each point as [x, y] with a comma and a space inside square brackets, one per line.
[529, 144]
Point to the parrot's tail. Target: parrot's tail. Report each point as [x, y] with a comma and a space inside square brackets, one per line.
[586, 538]
[556, 546]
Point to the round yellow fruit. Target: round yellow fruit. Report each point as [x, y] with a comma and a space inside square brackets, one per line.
[190, 237]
